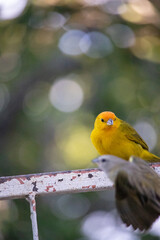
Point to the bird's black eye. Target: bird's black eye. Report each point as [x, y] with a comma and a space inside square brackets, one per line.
[102, 120]
[103, 160]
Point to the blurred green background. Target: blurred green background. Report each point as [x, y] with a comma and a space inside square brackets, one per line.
[62, 63]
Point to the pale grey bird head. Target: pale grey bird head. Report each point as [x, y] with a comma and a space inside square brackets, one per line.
[106, 162]
[110, 165]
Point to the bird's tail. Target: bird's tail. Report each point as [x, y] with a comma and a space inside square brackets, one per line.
[150, 157]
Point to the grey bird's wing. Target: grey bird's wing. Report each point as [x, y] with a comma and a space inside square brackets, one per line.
[138, 203]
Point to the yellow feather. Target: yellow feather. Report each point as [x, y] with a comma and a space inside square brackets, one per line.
[119, 138]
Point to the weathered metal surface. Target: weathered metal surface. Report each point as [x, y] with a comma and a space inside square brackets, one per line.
[156, 167]
[54, 182]
[32, 201]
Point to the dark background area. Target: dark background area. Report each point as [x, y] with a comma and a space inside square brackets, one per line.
[61, 64]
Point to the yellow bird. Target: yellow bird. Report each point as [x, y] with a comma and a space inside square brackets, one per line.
[114, 136]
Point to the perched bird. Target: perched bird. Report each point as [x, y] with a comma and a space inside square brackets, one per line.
[137, 189]
[112, 135]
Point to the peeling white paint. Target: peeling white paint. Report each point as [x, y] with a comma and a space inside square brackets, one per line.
[59, 182]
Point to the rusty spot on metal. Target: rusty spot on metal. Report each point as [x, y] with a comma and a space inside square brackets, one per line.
[87, 170]
[34, 208]
[35, 189]
[33, 202]
[20, 180]
[90, 175]
[52, 174]
[86, 186]
[60, 180]
[154, 165]
[93, 186]
[23, 177]
[49, 187]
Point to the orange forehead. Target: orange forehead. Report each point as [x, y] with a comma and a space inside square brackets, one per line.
[107, 115]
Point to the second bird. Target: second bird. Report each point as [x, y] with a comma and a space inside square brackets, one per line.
[112, 135]
[137, 189]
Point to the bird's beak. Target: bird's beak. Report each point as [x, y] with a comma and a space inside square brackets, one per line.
[110, 122]
[95, 160]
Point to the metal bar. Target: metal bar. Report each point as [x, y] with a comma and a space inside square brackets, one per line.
[32, 201]
[53, 182]
[56, 182]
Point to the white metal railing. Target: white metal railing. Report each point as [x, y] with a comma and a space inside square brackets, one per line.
[28, 186]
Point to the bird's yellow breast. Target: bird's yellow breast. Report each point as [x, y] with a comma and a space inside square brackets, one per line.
[115, 143]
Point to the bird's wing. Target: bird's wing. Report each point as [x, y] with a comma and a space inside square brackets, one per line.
[139, 161]
[132, 135]
[136, 207]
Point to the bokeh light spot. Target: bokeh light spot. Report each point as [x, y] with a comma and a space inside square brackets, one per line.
[114, 6]
[69, 42]
[144, 8]
[147, 47]
[66, 95]
[96, 45]
[92, 3]
[11, 8]
[9, 62]
[141, 12]
[36, 102]
[100, 225]
[54, 20]
[73, 206]
[155, 229]
[78, 151]
[147, 132]
[122, 35]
